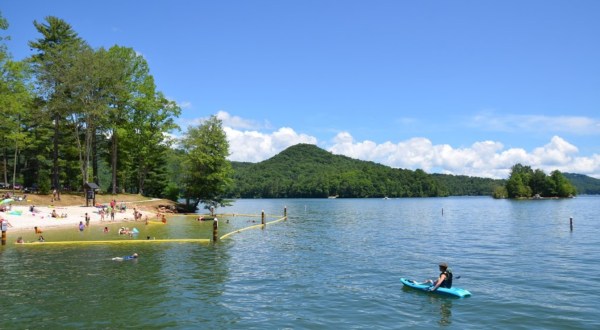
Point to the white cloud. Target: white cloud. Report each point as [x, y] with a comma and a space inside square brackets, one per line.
[239, 122]
[482, 159]
[578, 125]
[253, 146]
[185, 105]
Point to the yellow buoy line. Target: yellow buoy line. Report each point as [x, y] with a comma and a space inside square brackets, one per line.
[133, 241]
[276, 221]
[229, 215]
[241, 230]
[252, 227]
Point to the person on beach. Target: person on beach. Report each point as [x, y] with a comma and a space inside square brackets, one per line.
[125, 258]
[444, 280]
[54, 214]
[87, 220]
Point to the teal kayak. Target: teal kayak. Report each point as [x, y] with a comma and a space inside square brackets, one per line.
[453, 291]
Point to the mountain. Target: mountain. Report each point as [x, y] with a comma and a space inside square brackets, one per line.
[585, 185]
[307, 171]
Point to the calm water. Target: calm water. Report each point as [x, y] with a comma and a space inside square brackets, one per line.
[334, 264]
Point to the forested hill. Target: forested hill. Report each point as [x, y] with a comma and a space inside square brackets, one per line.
[585, 185]
[305, 170]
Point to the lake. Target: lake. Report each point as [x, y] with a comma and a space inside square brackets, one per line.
[335, 263]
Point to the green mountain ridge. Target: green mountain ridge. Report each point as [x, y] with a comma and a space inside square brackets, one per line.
[307, 171]
[585, 185]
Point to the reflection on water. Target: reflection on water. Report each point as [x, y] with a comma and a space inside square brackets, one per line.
[445, 312]
[334, 264]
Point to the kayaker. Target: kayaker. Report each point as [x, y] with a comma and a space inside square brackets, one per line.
[445, 278]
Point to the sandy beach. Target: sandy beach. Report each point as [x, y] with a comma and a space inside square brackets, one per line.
[20, 217]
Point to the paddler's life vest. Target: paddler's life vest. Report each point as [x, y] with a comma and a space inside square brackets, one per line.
[447, 283]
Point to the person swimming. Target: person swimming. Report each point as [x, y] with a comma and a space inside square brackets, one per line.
[125, 258]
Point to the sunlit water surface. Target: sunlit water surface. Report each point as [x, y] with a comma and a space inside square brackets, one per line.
[335, 263]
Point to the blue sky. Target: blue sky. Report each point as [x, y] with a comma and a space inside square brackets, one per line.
[460, 87]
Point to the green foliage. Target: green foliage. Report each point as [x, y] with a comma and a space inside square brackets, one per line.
[306, 171]
[584, 184]
[500, 192]
[207, 172]
[462, 185]
[95, 116]
[171, 192]
[44, 182]
[526, 183]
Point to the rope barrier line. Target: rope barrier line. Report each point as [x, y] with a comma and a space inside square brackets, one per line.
[276, 221]
[228, 215]
[173, 240]
[241, 230]
[252, 227]
[274, 216]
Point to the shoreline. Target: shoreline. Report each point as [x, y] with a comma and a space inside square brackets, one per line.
[21, 219]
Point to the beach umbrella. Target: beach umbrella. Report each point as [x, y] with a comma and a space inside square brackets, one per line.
[6, 201]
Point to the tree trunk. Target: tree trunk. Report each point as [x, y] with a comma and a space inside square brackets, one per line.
[55, 139]
[114, 161]
[15, 167]
[96, 180]
[5, 160]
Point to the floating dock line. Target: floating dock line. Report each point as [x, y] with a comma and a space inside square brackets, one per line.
[228, 215]
[253, 227]
[133, 241]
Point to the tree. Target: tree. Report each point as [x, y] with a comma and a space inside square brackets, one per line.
[131, 74]
[58, 44]
[207, 172]
[538, 183]
[517, 185]
[524, 182]
[561, 187]
[88, 82]
[15, 97]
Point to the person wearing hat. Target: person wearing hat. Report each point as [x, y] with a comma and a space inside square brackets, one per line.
[445, 278]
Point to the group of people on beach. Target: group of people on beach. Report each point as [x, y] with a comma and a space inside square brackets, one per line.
[55, 214]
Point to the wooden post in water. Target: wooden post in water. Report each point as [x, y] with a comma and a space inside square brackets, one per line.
[262, 218]
[571, 223]
[285, 212]
[215, 229]
[3, 226]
